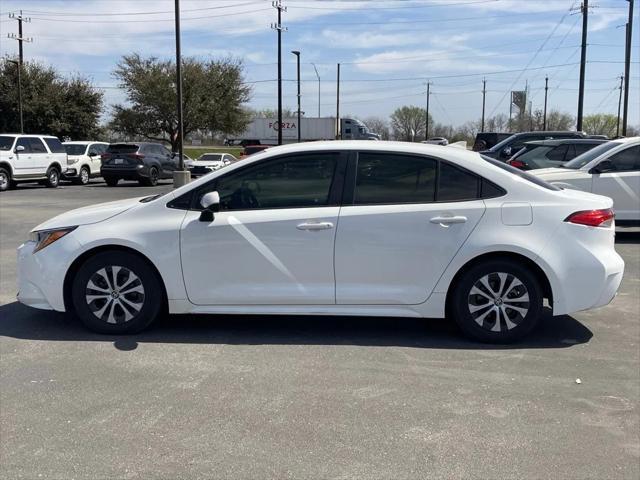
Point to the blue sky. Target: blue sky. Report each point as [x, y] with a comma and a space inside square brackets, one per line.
[388, 49]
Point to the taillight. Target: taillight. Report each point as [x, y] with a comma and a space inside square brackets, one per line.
[592, 218]
[138, 157]
[105, 156]
[518, 164]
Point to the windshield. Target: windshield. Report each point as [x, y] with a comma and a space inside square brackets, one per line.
[6, 142]
[211, 157]
[75, 149]
[581, 160]
[520, 173]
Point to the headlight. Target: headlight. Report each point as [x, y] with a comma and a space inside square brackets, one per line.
[43, 238]
[71, 161]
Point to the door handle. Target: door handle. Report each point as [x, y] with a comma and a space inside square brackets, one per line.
[315, 226]
[446, 221]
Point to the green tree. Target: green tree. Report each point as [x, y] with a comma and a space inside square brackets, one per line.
[600, 124]
[50, 103]
[408, 123]
[213, 94]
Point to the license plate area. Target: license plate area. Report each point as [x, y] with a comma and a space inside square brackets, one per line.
[118, 161]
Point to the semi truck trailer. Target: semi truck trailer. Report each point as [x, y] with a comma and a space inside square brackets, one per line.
[264, 131]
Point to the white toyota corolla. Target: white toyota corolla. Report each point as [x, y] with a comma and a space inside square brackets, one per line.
[334, 228]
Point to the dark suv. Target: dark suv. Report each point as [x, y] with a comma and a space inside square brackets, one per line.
[144, 162]
[551, 153]
[509, 146]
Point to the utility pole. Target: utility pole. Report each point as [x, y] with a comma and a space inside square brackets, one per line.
[619, 102]
[426, 126]
[277, 4]
[583, 62]
[317, 75]
[297, 54]
[180, 177]
[484, 93]
[544, 116]
[627, 64]
[338, 129]
[20, 38]
[18, 68]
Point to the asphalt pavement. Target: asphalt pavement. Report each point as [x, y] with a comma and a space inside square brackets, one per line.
[309, 397]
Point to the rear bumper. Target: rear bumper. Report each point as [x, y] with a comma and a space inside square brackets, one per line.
[125, 172]
[585, 276]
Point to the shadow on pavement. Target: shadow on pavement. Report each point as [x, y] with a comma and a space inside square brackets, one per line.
[628, 237]
[18, 321]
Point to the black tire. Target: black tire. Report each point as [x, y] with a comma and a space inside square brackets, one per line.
[152, 179]
[53, 178]
[111, 182]
[83, 176]
[517, 289]
[5, 180]
[125, 312]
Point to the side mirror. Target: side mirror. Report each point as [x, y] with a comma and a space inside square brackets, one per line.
[210, 202]
[603, 167]
[19, 149]
[93, 154]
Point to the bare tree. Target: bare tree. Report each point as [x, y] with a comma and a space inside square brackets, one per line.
[378, 125]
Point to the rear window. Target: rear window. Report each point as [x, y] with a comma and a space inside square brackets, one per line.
[122, 148]
[54, 145]
[211, 157]
[6, 142]
[75, 149]
[521, 174]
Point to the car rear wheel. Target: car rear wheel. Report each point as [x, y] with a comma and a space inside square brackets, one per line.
[117, 293]
[111, 182]
[497, 302]
[152, 179]
[53, 178]
[5, 180]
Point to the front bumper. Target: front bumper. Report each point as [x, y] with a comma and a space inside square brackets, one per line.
[70, 173]
[41, 275]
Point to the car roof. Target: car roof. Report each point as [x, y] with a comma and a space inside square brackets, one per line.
[31, 135]
[561, 141]
[82, 142]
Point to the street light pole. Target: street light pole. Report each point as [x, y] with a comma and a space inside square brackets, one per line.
[297, 54]
[180, 177]
[317, 75]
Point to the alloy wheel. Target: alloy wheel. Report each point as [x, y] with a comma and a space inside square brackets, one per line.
[498, 301]
[115, 294]
[4, 181]
[84, 176]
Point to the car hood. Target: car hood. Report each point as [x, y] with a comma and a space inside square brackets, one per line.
[207, 163]
[91, 214]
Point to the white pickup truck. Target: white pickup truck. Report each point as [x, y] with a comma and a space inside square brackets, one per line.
[30, 158]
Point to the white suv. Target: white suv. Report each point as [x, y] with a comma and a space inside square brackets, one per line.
[83, 160]
[30, 158]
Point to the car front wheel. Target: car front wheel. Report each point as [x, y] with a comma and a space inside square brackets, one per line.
[497, 301]
[117, 292]
[83, 176]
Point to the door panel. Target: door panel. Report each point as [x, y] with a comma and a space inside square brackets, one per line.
[24, 162]
[622, 184]
[395, 254]
[260, 257]
[40, 157]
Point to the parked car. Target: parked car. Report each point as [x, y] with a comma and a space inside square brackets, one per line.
[437, 141]
[334, 228]
[551, 153]
[251, 149]
[486, 140]
[208, 162]
[509, 146]
[83, 160]
[144, 162]
[611, 169]
[30, 158]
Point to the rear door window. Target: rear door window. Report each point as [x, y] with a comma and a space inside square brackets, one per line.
[37, 146]
[383, 178]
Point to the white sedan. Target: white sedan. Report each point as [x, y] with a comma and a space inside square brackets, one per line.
[611, 169]
[334, 228]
